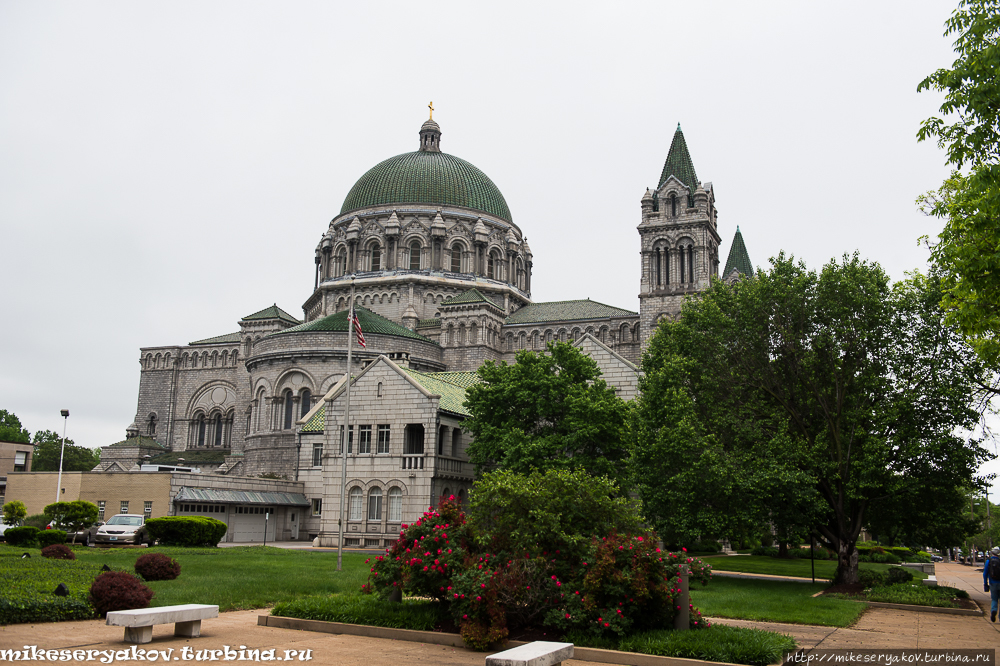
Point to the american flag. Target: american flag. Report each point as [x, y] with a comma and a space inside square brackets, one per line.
[357, 328]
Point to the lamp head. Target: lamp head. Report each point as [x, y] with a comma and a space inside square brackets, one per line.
[65, 413]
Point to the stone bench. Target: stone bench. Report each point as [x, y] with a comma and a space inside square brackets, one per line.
[930, 581]
[538, 653]
[139, 623]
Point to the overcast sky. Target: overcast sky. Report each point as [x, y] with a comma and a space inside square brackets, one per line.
[167, 168]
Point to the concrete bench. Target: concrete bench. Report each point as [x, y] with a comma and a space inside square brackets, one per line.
[538, 653]
[930, 581]
[139, 623]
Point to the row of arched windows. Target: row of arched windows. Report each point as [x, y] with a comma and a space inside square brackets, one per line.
[206, 359]
[393, 509]
[285, 412]
[536, 340]
[673, 266]
[211, 430]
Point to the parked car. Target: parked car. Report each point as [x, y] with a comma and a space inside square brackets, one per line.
[4, 526]
[936, 558]
[123, 528]
[85, 537]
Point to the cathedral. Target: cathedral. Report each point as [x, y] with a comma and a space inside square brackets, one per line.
[440, 274]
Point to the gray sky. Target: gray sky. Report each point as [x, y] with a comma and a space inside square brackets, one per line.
[168, 167]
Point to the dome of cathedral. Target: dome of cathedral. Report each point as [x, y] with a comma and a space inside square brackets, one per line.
[427, 176]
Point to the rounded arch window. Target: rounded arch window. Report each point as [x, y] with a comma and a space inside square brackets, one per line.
[415, 256]
[218, 430]
[375, 504]
[201, 430]
[306, 402]
[456, 258]
[289, 410]
[375, 261]
[395, 505]
[354, 498]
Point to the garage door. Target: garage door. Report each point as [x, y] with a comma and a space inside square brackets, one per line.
[247, 523]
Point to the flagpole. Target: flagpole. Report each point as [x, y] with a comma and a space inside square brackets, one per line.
[345, 434]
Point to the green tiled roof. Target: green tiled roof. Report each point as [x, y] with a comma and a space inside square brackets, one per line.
[273, 312]
[679, 162]
[191, 458]
[566, 311]
[426, 177]
[449, 385]
[739, 258]
[433, 322]
[219, 339]
[317, 422]
[141, 441]
[370, 323]
[471, 296]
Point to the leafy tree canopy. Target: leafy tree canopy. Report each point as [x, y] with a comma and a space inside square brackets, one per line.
[11, 429]
[827, 388]
[546, 411]
[72, 516]
[969, 202]
[14, 512]
[75, 458]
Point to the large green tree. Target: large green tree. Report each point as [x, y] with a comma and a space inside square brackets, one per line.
[11, 429]
[72, 516]
[968, 248]
[548, 410]
[835, 383]
[75, 458]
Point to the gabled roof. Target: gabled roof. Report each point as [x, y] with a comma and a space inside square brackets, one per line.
[273, 312]
[587, 337]
[469, 297]
[450, 386]
[370, 323]
[141, 441]
[739, 258]
[566, 311]
[679, 163]
[226, 339]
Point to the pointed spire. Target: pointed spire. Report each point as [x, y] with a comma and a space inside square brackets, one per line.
[679, 163]
[739, 258]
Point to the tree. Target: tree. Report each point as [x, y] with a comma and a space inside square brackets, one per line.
[72, 516]
[11, 429]
[969, 202]
[923, 514]
[75, 458]
[14, 512]
[835, 382]
[548, 410]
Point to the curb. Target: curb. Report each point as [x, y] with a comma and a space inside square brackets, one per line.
[924, 609]
[454, 640]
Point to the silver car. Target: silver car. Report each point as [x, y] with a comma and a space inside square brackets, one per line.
[124, 528]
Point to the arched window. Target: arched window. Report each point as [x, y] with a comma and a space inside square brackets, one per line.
[415, 256]
[656, 258]
[451, 336]
[510, 342]
[218, 430]
[681, 255]
[289, 410]
[673, 205]
[491, 266]
[442, 437]
[666, 266]
[395, 505]
[201, 430]
[461, 496]
[456, 442]
[376, 262]
[260, 408]
[461, 334]
[472, 334]
[375, 504]
[340, 264]
[691, 263]
[306, 402]
[354, 503]
[456, 258]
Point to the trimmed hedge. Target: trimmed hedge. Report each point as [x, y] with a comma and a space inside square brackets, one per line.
[50, 537]
[22, 537]
[118, 590]
[189, 531]
[58, 551]
[28, 585]
[154, 566]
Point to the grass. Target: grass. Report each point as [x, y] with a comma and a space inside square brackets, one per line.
[775, 566]
[917, 595]
[365, 609]
[735, 645]
[773, 601]
[238, 578]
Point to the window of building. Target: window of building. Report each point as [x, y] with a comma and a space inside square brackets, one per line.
[317, 455]
[201, 430]
[147, 508]
[413, 438]
[350, 439]
[341, 268]
[442, 437]
[289, 410]
[306, 400]
[317, 506]
[218, 429]
[673, 205]
[124, 506]
[395, 505]
[456, 258]
[376, 258]
[415, 256]
[364, 439]
[490, 268]
[375, 504]
[456, 442]
[354, 499]
[378, 393]
[20, 461]
[382, 446]
[100, 509]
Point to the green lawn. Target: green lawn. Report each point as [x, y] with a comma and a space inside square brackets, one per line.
[234, 578]
[763, 564]
[773, 601]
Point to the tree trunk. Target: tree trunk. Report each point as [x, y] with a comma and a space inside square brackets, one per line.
[847, 563]
[782, 549]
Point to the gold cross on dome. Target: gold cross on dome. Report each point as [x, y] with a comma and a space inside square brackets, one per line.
[431, 107]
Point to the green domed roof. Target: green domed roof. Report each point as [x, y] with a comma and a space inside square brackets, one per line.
[427, 177]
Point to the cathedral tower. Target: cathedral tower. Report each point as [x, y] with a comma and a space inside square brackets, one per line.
[680, 242]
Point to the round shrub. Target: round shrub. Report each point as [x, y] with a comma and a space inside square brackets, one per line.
[21, 537]
[190, 531]
[58, 551]
[872, 578]
[767, 551]
[49, 537]
[899, 575]
[118, 590]
[154, 566]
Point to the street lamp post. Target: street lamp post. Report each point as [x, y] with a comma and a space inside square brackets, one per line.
[62, 450]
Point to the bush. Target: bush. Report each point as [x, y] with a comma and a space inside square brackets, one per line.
[58, 551]
[118, 590]
[368, 610]
[899, 575]
[38, 521]
[734, 645]
[704, 546]
[872, 578]
[49, 537]
[877, 556]
[765, 551]
[22, 537]
[28, 587]
[189, 531]
[154, 566]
